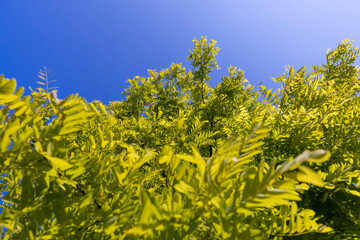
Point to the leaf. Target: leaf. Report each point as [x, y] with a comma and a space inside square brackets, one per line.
[86, 201]
[248, 155]
[76, 172]
[144, 160]
[252, 146]
[261, 130]
[68, 130]
[353, 192]
[5, 98]
[258, 137]
[319, 156]
[145, 216]
[93, 109]
[8, 87]
[58, 163]
[290, 164]
[184, 187]
[283, 194]
[192, 159]
[27, 192]
[102, 109]
[165, 159]
[17, 105]
[309, 176]
[251, 173]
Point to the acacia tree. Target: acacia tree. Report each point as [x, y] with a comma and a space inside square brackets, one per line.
[320, 109]
[178, 159]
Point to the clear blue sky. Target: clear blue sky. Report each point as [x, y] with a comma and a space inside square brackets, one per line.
[94, 46]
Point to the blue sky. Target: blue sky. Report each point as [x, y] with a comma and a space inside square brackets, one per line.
[94, 46]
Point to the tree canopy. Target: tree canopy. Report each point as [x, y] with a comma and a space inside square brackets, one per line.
[178, 159]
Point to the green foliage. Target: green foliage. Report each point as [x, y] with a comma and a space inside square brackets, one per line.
[45, 79]
[178, 159]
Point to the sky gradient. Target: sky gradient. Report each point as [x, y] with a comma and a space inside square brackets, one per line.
[94, 46]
